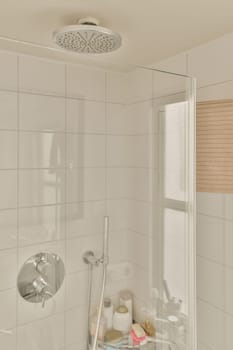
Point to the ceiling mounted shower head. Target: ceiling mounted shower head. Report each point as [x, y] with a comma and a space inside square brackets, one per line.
[87, 37]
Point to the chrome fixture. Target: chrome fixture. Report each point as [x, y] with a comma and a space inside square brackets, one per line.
[87, 37]
[40, 277]
[91, 260]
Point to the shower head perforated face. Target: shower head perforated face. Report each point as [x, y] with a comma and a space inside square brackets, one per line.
[87, 38]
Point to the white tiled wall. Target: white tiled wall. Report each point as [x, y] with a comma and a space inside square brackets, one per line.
[55, 128]
[212, 65]
[74, 146]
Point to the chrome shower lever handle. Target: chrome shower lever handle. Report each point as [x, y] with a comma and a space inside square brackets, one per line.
[44, 294]
[43, 301]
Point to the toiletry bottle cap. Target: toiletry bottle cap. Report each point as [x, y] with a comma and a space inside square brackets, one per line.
[122, 309]
[107, 302]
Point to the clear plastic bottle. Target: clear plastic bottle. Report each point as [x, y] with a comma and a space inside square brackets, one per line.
[102, 328]
[108, 312]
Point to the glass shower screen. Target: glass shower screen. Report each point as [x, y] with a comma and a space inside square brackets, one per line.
[159, 181]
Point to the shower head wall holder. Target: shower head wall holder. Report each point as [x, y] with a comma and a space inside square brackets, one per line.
[89, 258]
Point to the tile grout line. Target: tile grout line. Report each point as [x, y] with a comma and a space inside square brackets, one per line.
[129, 103]
[65, 190]
[224, 312]
[224, 277]
[106, 150]
[210, 260]
[137, 200]
[17, 208]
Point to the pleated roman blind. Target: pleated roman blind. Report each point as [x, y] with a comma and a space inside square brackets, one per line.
[215, 146]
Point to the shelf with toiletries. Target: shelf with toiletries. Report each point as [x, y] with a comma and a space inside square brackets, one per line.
[153, 345]
[157, 330]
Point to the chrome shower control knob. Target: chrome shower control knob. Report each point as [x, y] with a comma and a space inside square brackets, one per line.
[42, 264]
[46, 295]
[41, 277]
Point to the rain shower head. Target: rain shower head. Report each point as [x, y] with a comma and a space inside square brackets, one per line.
[87, 37]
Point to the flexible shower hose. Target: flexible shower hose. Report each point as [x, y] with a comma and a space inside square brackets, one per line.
[90, 274]
[94, 345]
[104, 262]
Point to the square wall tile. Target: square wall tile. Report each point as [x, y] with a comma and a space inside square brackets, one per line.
[41, 76]
[210, 237]
[85, 218]
[228, 276]
[8, 110]
[8, 189]
[117, 87]
[140, 115]
[141, 285]
[133, 119]
[228, 206]
[201, 346]
[228, 332]
[85, 116]
[119, 183]
[118, 121]
[210, 326]
[127, 151]
[41, 224]
[210, 282]
[8, 71]
[79, 345]
[8, 268]
[85, 83]
[212, 204]
[8, 149]
[75, 325]
[118, 212]
[139, 216]
[45, 334]
[8, 309]
[41, 187]
[139, 251]
[85, 150]
[140, 85]
[228, 256]
[41, 150]
[8, 228]
[41, 113]
[119, 246]
[8, 340]
[76, 289]
[85, 184]
[130, 183]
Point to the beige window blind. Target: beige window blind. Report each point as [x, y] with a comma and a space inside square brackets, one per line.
[215, 146]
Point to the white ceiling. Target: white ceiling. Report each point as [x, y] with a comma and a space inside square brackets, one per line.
[151, 29]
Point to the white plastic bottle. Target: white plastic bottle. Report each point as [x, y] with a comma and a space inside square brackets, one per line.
[122, 319]
[108, 312]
